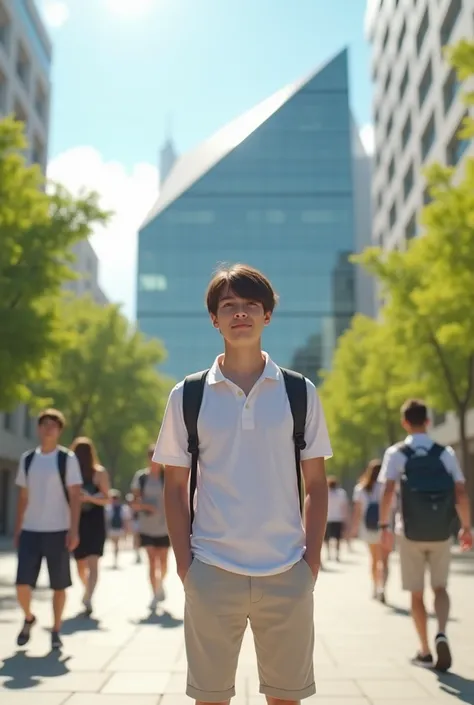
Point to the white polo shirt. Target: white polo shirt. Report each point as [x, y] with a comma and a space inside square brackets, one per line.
[247, 515]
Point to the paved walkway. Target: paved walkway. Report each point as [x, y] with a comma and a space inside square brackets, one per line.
[129, 658]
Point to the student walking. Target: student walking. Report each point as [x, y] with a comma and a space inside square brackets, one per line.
[94, 498]
[147, 487]
[47, 520]
[338, 514]
[244, 434]
[365, 524]
[432, 485]
[118, 518]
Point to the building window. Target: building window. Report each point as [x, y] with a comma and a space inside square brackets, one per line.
[20, 114]
[191, 217]
[422, 31]
[385, 39]
[8, 421]
[389, 126]
[391, 169]
[388, 80]
[425, 84]
[410, 230]
[408, 181]
[5, 29]
[38, 151]
[456, 148]
[406, 132]
[152, 282]
[450, 90]
[319, 217]
[401, 36]
[454, 10]
[393, 215]
[23, 66]
[41, 101]
[404, 83]
[428, 138]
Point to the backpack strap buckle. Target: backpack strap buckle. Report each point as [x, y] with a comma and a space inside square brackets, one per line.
[299, 440]
[193, 445]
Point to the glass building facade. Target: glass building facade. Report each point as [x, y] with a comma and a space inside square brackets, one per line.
[274, 189]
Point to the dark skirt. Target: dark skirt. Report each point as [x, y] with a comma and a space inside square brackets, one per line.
[91, 534]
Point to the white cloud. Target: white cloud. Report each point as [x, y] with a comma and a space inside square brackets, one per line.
[367, 135]
[130, 195]
[55, 12]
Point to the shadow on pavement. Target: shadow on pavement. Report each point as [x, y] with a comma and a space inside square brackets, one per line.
[404, 612]
[457, 686]
[28, 671]
[80, 623]
[165, 619]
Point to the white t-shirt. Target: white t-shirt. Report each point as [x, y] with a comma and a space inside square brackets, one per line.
[247, 515]
[337, 505]
[394, 461]
[47, 508]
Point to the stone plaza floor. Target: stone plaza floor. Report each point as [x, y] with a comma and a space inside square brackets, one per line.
[124, 656]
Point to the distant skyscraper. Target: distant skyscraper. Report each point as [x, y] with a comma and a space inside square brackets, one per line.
[168, 158]
[417, 108]
[274, 188]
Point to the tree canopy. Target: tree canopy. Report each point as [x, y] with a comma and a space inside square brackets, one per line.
[37, 228]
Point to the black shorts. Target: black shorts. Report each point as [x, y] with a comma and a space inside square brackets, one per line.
[36, 545]
[154, 541]
[334, 530]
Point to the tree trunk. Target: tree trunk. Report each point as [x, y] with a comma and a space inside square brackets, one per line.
[465, 458]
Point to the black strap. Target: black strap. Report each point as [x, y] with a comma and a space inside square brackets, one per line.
[297, 394]
[63, 454]
[142, 483]
[407, 451]
[436, 450]
[193, 390]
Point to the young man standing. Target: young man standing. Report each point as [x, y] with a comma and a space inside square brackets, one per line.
[431, 483]
[47, 521]
[251, 557]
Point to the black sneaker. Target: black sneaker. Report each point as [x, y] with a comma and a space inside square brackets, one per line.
[443, 653]
[56, 642]
[24, 636]
[425, 661]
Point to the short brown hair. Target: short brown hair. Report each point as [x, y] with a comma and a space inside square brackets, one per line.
[415, 412]
[53, 415]
[246, 282]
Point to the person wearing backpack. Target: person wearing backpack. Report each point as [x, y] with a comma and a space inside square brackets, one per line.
[431, 488]
[249, 439]
[118, 521]
[147, 487]
[365, 524]
[338, 510]
[47, 520]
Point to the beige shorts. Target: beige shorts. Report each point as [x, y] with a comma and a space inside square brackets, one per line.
[415, 556]
[279, 609]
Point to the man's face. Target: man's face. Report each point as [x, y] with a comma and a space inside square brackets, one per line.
[240, 321]
[49, 431]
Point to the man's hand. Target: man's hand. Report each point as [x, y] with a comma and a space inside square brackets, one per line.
[387, 540]
[465, 539]
[16, 539]
[183, 569]
[314, 566]
[72, 540]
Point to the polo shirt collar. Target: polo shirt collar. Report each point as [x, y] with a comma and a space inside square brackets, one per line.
[270, 371]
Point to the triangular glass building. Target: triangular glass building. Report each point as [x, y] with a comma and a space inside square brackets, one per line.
[274, 189]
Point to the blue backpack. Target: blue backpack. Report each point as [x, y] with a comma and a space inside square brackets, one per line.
[372, 516]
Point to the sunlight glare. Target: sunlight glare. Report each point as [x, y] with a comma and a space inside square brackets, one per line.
[129, 7]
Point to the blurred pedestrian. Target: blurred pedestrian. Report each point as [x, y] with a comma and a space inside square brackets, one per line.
[118, 518]
[94, 498]
[338, 515]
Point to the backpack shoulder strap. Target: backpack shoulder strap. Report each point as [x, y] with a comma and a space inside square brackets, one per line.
[142, 482]
[297, 393]
[407, 450]
[193, 391]
[63, 455]
[436, 450]
[28, 460]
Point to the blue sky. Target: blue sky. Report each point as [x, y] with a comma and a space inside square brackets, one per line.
[126, 69]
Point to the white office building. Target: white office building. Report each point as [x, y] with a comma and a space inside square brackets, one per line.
[417, 113]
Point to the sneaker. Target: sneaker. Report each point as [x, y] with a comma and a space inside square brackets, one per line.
[443, 653]
[24, 636]
[425, 661]
[56, 642]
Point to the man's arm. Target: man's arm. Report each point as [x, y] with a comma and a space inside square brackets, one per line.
[177, 515]
[75, 502]
[386, 503]
[315, 509]
[462, 505]
[22, 503]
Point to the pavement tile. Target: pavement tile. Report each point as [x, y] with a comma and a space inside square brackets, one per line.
[31, 697]
[140, 683]
[393, 689]
[80, 682]
[112, 699]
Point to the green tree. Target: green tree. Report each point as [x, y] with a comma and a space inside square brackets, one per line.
[104, 379]
[430, 297]
[363, 392]
[37, 228]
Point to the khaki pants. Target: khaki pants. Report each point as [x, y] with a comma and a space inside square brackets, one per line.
[280, 611]
[415, 556]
